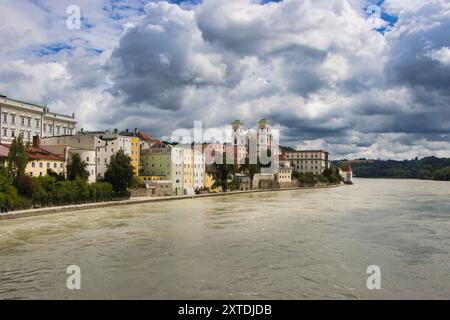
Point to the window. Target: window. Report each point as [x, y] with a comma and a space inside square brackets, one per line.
[13, 118]
[5, 133]
[37, 122]
[87, 159]
[22, 120]
[29, 121]
[29, 135]
[5, 117]
[65, 130]
[33, 164]
[13, 133]
[58, 129]
[55, 165]
[45, 127]
[40, 164]
[48, 165]
[61, 165]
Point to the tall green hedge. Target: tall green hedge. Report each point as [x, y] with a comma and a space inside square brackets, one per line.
[48, 191]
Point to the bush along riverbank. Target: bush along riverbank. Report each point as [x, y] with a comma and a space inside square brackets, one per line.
[328, 177]
[36, 192]
[19, 191]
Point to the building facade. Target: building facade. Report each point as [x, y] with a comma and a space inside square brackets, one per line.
[40, 160]
[346, 173]
[180, 164]
[284, 175]
[308, 161]
[164, 162]
[96, 148]
[19, 117]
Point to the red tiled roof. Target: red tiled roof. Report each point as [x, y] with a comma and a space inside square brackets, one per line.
[33, 153]
[4, 150]
[42, 154]
[347, 168]
[146, 137]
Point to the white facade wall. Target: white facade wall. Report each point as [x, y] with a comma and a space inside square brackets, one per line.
[199, 169]
[314, 161]
[87, 156]
[17, 117]
[102, 144]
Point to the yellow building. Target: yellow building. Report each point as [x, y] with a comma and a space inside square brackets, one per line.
[39, 160]
[188, 169]
[135, 154]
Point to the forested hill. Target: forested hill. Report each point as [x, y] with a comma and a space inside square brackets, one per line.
[430, 168]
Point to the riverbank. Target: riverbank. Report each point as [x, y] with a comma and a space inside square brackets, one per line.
[69, 208]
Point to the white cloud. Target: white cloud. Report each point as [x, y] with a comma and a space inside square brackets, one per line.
[315, 68]
[441, 55]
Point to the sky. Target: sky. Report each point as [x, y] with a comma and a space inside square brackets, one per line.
[360, 78]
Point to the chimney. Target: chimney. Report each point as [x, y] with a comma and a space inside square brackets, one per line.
[36, 141]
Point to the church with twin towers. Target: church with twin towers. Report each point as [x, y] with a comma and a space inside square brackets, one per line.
[242, 138]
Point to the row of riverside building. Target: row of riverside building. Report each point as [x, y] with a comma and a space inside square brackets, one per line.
[165, 168]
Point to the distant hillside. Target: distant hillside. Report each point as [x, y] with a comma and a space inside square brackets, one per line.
[430, 168]
[286, 149]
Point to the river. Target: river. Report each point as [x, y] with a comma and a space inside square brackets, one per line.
[301, 244]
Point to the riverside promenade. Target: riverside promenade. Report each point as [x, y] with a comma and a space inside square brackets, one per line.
[78, 207]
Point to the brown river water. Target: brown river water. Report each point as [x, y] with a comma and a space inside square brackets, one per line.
[302, 244]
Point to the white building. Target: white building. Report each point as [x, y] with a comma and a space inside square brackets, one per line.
[199, 169]
[308, 161]
[19, 117]
[86, 155]
[284, 174]
[95, 148]
[346, 173]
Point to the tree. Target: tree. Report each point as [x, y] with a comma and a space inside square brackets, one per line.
[5, 179]
[76, 168]
[17, 158]
[442, 174]
[222, 172]
[120, 172]
[58, 176]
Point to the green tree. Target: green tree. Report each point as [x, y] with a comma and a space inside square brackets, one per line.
[442, 174]
[223, 172]
[17, 157]
[120, 172]
[76, 168]
[6, 179]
